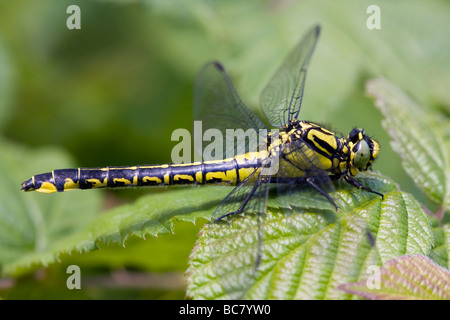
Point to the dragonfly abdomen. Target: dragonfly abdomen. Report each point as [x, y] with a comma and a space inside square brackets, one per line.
[229, 171]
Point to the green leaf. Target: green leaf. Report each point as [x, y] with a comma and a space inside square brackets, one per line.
[417, 138]
[310, 251]
[441, 248]
[406, 277]
[153, 255]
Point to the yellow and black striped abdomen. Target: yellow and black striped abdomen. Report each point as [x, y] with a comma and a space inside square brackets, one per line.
[229, 171]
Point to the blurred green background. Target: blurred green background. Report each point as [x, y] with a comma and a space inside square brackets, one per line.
[113, 92]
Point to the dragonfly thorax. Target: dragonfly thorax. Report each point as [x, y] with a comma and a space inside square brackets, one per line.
[307, 148]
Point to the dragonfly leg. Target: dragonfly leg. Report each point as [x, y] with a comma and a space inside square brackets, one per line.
[358, 185]
[310, 181]
[244, 203]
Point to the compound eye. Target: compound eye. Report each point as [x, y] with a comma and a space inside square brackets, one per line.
[362, 154]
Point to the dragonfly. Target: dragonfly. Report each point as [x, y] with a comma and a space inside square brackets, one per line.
[291, 152]
[302, 149]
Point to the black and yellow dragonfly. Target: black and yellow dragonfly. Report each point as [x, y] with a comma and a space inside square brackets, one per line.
[301, 149]
[298, 152]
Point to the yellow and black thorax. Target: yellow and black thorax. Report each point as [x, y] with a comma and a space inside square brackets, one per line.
[306, 149]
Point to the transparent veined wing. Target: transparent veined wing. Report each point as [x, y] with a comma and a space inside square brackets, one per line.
[218, 105]
[237, 232]
[281, 99]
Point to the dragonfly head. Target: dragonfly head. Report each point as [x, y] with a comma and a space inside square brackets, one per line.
[363, 151]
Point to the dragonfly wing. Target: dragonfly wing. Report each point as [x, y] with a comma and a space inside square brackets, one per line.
[281, 99]
[237, 234]
[218, 105]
